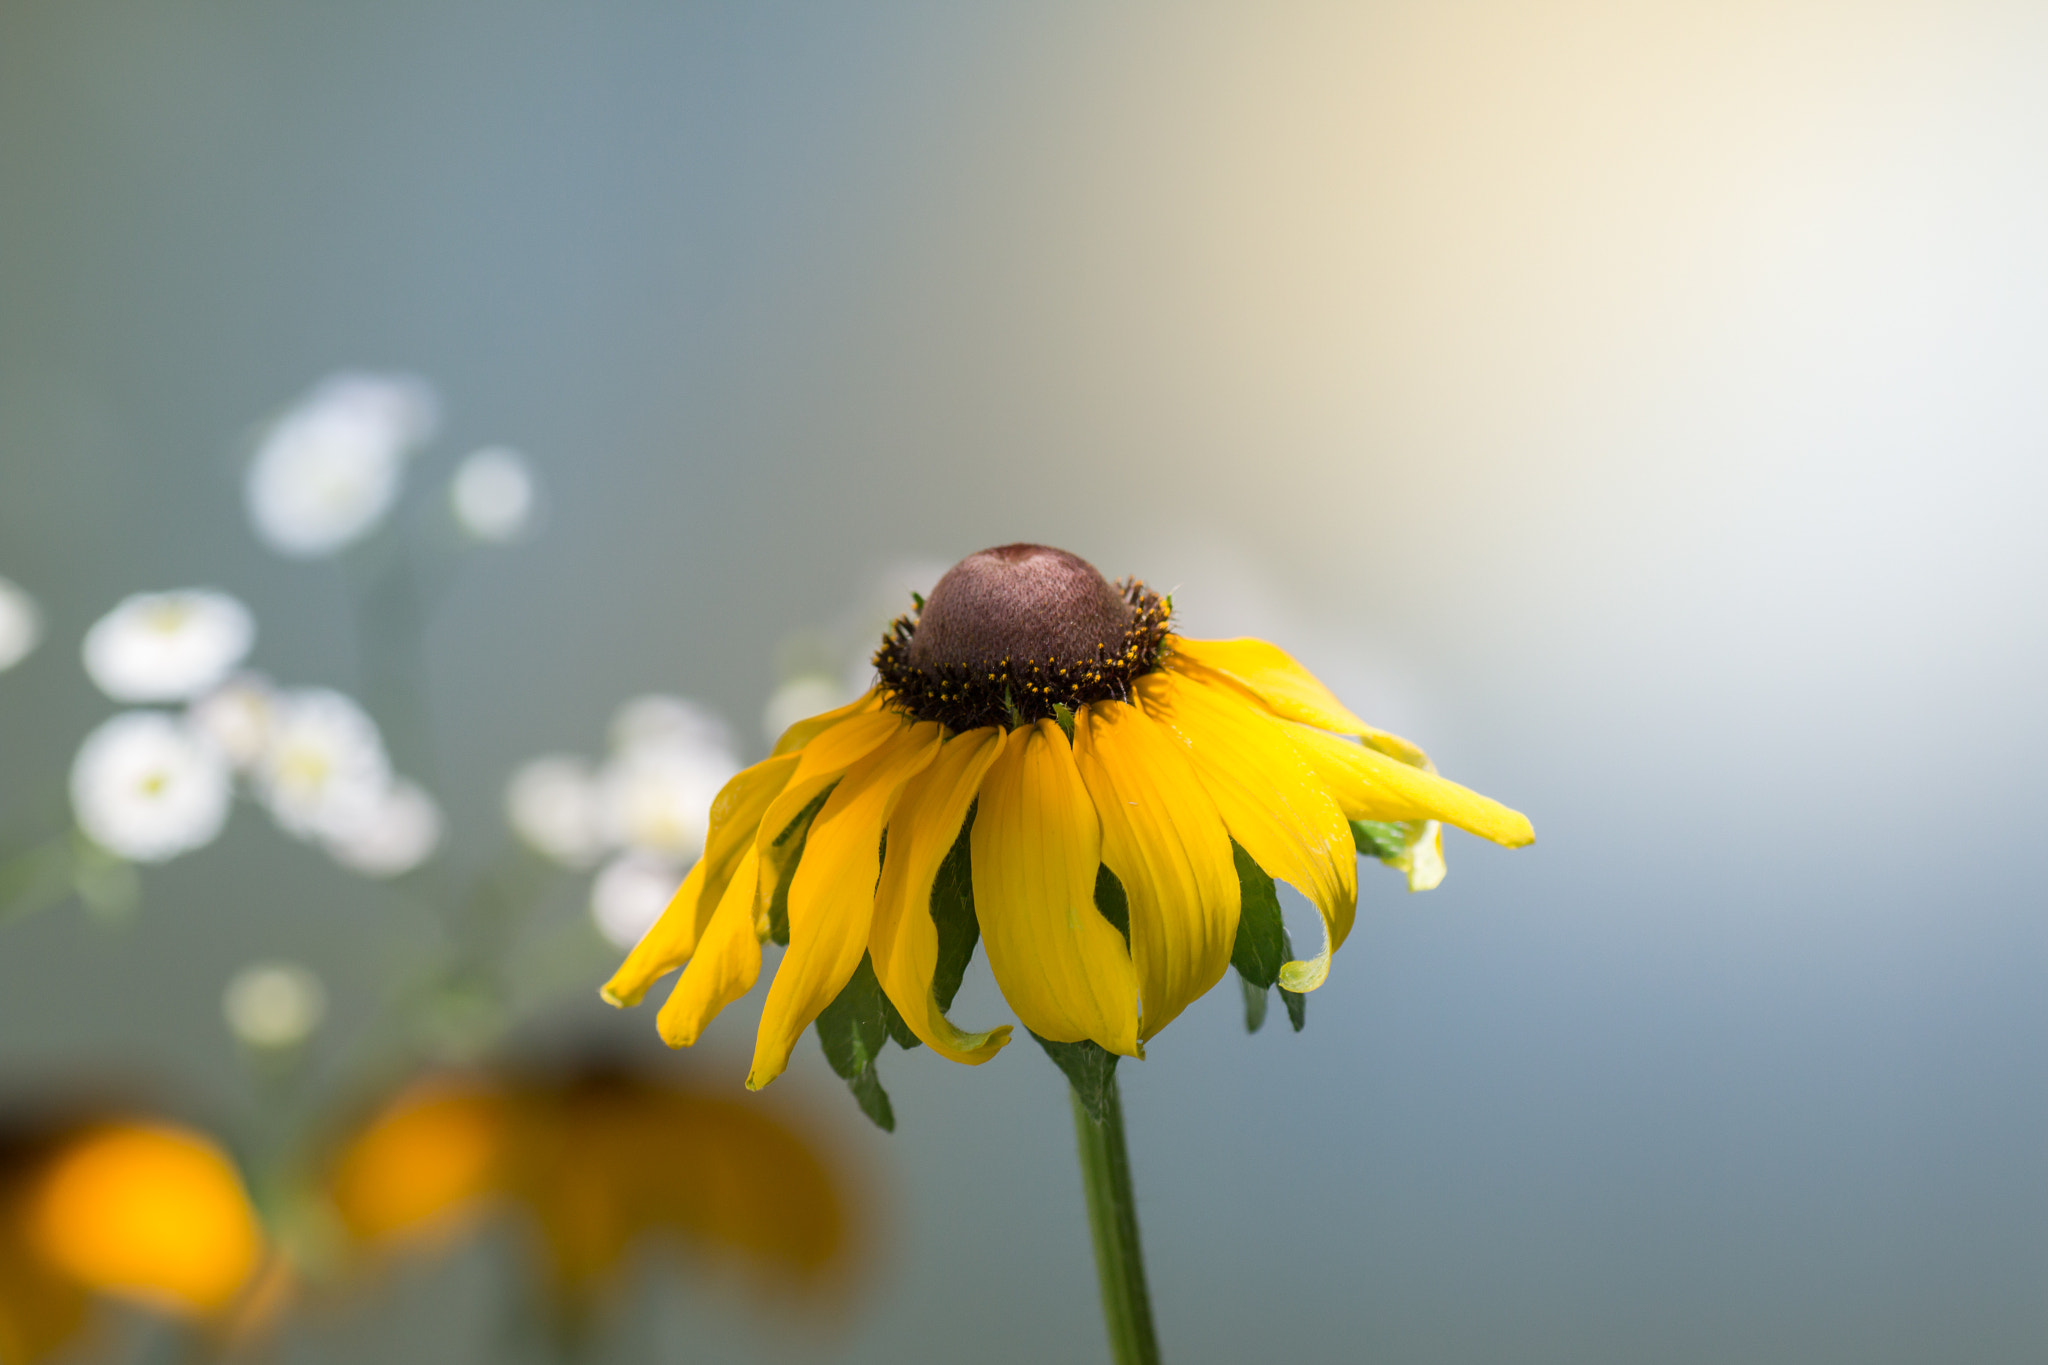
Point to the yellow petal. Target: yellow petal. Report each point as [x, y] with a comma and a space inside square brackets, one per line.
[1269, 800]
[1037, 844]
[1290, 691]
[1165, 842]
[904, 942]
[1372, 786]
[832, 894]
[725, 966]
[667, 944]
[820, 763]
[804, 731]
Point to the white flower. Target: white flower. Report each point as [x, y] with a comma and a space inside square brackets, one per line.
[323, 766]
[394, 835]
[659, 720]
[493, 495]
[800, 699]
[167, 646]
[329, 469]
[144, 788]
[21, 625]
[629, 895]
[658, 798]
[272, 1005]
[552, 804]
[235, 718]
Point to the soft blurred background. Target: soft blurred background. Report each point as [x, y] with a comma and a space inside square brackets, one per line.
[1641, 406]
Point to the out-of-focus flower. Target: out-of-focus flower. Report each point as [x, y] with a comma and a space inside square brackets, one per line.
[552, 804]
[392, 835]
[21, 625]
[661, 721]
[658, 799]
[329, 469]
[800, 698]
[629, 895]
[144, 788]
[148, 1212]
[167, 646]
[1103, 803]
[594, 1167]
[323, 764]
[235, 718]
[273, 1005]
[493, 495]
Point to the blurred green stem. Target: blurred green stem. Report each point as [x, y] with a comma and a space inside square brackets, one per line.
[1113, 1222]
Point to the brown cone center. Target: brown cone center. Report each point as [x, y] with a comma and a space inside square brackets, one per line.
[1019, 602]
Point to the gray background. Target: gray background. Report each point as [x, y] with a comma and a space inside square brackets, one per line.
[1639, 406]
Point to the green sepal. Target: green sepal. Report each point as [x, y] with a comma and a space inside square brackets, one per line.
[918, 598]
[1065, 717]
[1379, 838]
[1262, 944]
[1255, 1001]
[1111, 901]
[787, 850]
[1297, 1008]
[852, 1030]
[953, 916]
[1090, 1070]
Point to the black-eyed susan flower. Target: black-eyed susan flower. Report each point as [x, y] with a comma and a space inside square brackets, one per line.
[1045, 765]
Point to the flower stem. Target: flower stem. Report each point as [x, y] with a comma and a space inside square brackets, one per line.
[1113, 1221]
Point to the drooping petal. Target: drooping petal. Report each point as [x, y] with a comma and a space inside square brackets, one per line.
[735, 816]
[1372, 786]
[804, 731]
[1290, 691]
[904, 942]
[1269, 799]
[832, 894]
[1037, 844]
[820, 763]
[726, 965]
[1165, 842]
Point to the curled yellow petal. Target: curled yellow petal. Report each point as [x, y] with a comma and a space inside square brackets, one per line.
[1269, 800]
[1372, 786]
[727, 962]
[832, 894]
[1037, 844]
[904, 942]
[1165, 842]
[804, 731]
[1290, 691]
[735, 816]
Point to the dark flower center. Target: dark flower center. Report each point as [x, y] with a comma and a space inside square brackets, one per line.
[1011, 632]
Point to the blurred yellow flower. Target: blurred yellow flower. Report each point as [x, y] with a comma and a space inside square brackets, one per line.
[597, 1165]
[1091, 782]
[141, 1211]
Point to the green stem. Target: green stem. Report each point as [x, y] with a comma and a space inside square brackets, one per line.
[1113, 1221]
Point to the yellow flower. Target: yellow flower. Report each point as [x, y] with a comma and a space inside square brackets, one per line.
[597, 1164]
[1104, 783]
[137, 1210]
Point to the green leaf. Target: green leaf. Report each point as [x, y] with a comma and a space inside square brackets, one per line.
[1255, 1000]
[787, 850]
[852, 1030]
[1297, 1008]
[1261, 933]
[953, 916]
[1110, 900]
[1065, 717]
[1379, 838]
[1090, 1070]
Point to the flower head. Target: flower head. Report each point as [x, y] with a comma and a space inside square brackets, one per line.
[323, 767]
[493, 495]
[167, 646]
[273, 1005]
[328, 470]
[391, 834]
[144, 788]
[21, 625]
[1045, 766]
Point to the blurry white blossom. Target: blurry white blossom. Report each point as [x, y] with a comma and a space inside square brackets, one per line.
[271, 1005]
[552, 804]
[630, 894]
[659, 720]
[394, 834]
[800, 699]
[235, 718]
[323, 765]
[145, 788]
[167, 646]
[659, 799]
[493, 495]
[328, 470]
[21, 625]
